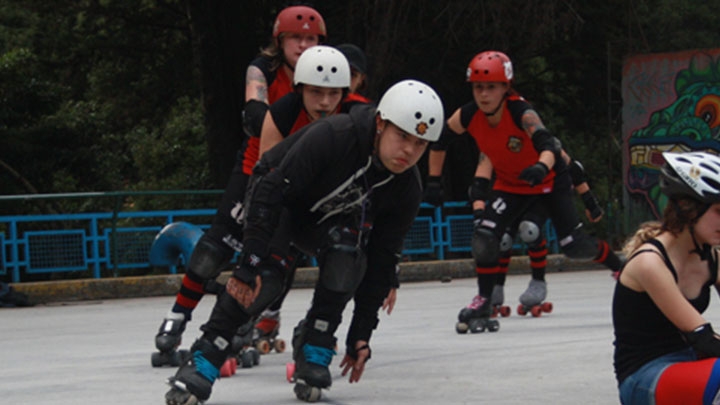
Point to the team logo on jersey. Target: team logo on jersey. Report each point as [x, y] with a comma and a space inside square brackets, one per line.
[421, 128]
[515, 144]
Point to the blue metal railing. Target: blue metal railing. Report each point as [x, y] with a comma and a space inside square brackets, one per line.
[33, 244]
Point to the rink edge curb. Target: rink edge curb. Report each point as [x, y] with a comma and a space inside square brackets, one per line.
[46, 292]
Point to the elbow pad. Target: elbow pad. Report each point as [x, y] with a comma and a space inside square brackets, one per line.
[479, 189]
[577, 173]
[253, 117]
[543, 140]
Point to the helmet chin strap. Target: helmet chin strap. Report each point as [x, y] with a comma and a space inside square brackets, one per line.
[490, 114]
[702, 251]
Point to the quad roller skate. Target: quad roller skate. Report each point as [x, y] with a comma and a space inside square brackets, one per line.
[266, 331]
[242, 351]
[476, 317]
[497, 299]
[192, 383]
[310, 369]
[533, 299]
[167, 341]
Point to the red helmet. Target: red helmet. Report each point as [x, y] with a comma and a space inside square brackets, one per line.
[302, 19]
[490, 66]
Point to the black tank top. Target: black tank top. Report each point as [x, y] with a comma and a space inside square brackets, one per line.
[642, 332]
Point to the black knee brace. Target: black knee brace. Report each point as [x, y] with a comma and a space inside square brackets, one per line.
[579, 245]
[209, 258]
[485, 247]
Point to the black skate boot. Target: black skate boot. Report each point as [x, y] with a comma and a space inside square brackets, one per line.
[312, 351]
[167, 341]
[476, 317]
[192, 383]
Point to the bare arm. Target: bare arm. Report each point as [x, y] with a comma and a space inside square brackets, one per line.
[484, 169]
[531, 122]
[256, 87]
[270, 135]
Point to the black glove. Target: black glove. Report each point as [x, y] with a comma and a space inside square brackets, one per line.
[592, 204]
[704, 341]
[534, 174]
[434, 191]
[254, 251]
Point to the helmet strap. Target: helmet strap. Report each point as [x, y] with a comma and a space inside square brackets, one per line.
[499, 106]
[703, 251]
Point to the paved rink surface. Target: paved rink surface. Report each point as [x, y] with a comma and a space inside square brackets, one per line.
[99, 352]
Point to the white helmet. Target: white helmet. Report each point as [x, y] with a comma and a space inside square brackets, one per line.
[415, 108]
[322, 66]
[693, 174]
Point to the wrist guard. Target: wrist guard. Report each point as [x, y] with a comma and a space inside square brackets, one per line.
[704, 341]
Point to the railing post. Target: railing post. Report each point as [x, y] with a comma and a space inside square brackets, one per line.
[95, 248]
[14, 256]
[439, 232]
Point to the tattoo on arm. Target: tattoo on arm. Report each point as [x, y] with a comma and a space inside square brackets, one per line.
[255, 85]
[531, 122]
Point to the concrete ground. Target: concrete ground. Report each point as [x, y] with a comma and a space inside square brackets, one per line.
[98, 352]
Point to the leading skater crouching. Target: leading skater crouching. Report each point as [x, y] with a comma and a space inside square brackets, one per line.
[346, 190]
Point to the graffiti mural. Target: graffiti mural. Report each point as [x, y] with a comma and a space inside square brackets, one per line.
[671, 102]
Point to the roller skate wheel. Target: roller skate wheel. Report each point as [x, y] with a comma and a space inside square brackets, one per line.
[547, 307]
[521, 310]
[536, 311]
[461, 327]
[178, 396]
[255, 357]
[505, 311]
[247, 359]
[493, 325]
[263, 346]
[156, 359]
[477, 325]
[229, 367]
[279, 346]
[307, 393]
[290, 372]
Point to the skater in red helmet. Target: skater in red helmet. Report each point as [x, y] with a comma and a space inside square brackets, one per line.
[529, 174]
[666, 352]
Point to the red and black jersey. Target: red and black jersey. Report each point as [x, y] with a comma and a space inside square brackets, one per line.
[507, 145]
[279, 84]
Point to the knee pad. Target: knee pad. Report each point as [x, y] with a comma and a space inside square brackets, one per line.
[506, 243]
[209, 258]
[579, 245]
[343, 263]
[530, 232]
[485, 247]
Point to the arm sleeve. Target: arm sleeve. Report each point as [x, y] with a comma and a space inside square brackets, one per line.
[385, 249]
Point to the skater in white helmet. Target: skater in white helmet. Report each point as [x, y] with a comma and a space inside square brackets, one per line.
[666, 352]
[345, 189]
